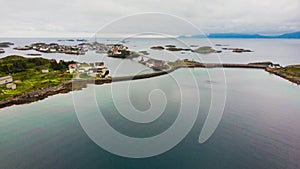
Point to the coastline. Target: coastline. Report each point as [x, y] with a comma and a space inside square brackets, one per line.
[284, 76]
[78, 84]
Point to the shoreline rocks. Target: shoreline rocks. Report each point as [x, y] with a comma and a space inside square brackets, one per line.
[36, 95]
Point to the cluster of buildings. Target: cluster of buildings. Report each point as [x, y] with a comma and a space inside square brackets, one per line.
[8, 81]
[118, 50]
[113, 50]
[96, 69]
[55, 48]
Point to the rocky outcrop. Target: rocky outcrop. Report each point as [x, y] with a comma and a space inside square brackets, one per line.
[238, 50]
[206, 50]
[284, 74]
[170, 46]
[40, 94]
[6, 44]
[178, 49]
[23, 48]
[157, 48]
[36, 95]
[34, 54]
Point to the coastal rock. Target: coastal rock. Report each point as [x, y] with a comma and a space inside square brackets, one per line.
[144, 52]
[6, 44]
[206, 50]
[170, 46]
[36, 95]
[178, 49]
[291, 72]
[157, 48]
[34, 54]
[241, 50]
[238, 50]
[23, 48]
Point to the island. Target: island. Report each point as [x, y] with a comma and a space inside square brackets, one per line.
[206, 50]
[157, 48]
[6, 44]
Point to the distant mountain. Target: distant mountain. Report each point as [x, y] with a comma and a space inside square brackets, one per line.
[234, 35]
[294, 35]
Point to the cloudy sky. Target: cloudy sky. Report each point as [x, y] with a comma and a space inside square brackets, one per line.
[56, 18]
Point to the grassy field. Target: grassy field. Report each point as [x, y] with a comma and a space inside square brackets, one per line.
[182, 63]
[27, 74]
[293, 70]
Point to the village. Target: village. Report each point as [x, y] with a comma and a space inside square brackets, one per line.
[113, 50]
[88, 70]
[55, 48]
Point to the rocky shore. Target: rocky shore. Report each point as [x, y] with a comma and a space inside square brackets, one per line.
[283, 74]
[36, 95]
[40, 94]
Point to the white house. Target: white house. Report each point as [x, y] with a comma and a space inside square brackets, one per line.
[81, 70]
[5, 79]
[11, 86]
[52, 50]
[72, 68]
[45, 71]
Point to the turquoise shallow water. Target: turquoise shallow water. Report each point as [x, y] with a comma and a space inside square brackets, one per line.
[259, 127]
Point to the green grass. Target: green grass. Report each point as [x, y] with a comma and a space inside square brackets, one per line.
[30, 78]
[291, 70]
[30, 81]
[85, 76]
[182, 63]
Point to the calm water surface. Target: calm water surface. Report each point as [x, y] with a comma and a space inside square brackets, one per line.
[259, 127]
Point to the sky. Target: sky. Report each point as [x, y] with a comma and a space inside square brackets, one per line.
[83, 18]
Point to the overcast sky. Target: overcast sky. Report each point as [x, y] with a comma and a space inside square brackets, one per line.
[56, 18]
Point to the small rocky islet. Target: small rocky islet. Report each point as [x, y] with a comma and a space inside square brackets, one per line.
[6, 44]
[238, 50]
[202, 50]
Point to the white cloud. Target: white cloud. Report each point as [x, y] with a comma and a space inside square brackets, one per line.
[84, 17]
